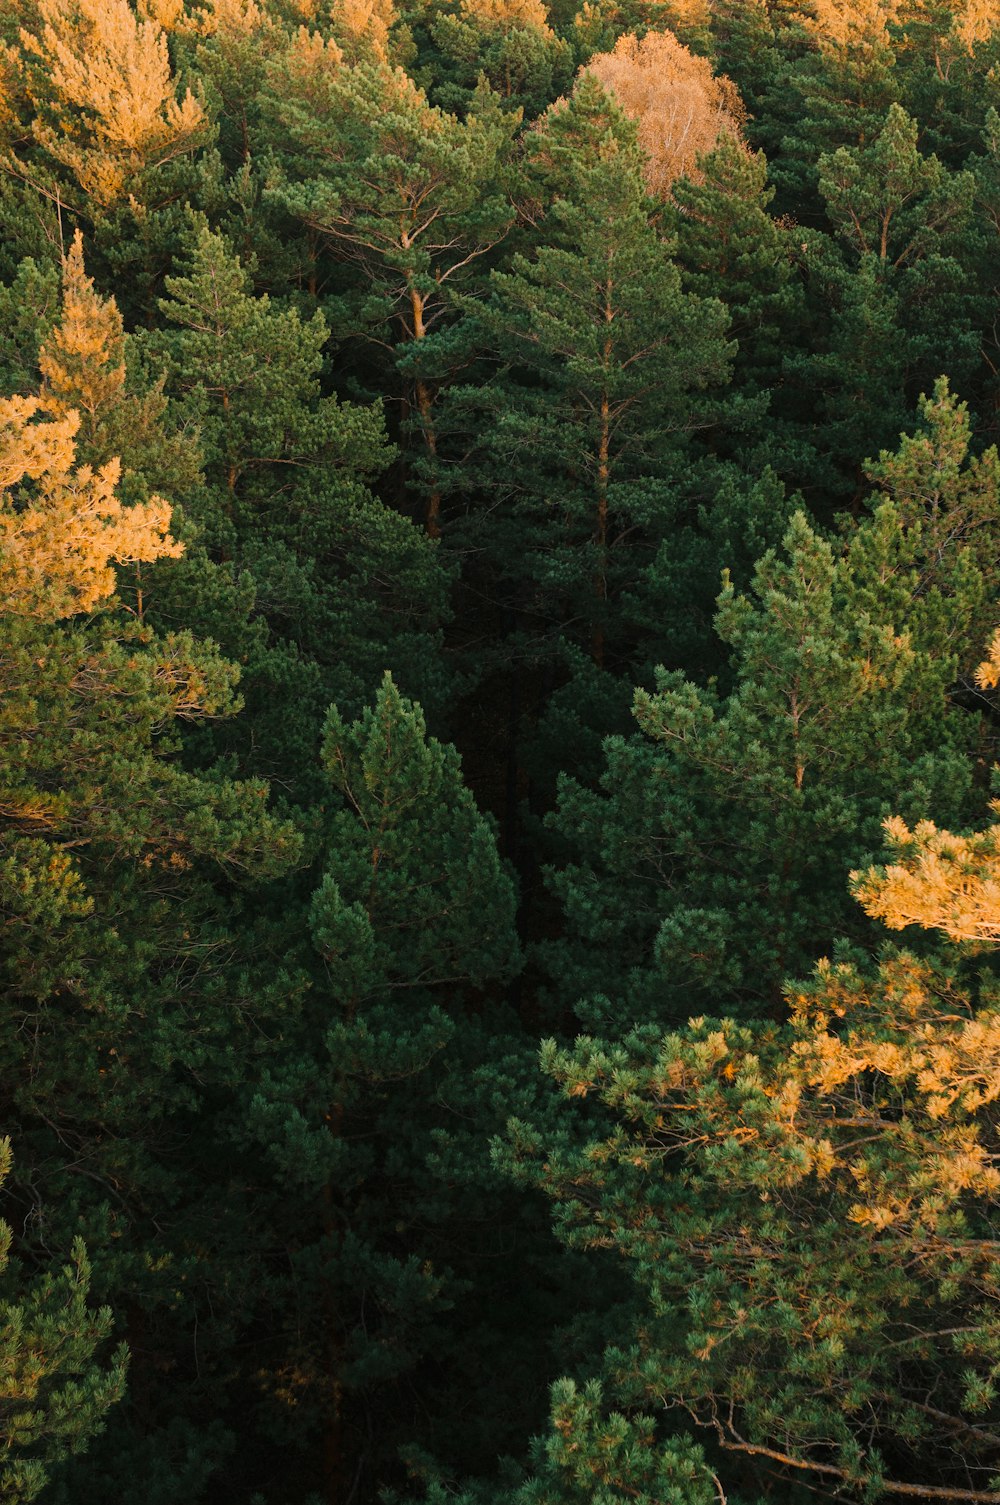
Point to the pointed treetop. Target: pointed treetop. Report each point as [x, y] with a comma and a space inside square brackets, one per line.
[83, 359]
[414, 882]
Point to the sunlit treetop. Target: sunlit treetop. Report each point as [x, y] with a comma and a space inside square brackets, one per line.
[975, 21]
[864, 25]
[83, 360]
[681, 108]
[227, 17]
[62, 527]
[361, 28]
[8, 92]
[940, 881]
[105, 95]
[841, 25]
[507, 15]
[165, 13]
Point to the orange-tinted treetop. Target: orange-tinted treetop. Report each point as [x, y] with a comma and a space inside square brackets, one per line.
[681, 108]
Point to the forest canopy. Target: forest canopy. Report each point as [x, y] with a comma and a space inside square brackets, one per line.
[499, 746]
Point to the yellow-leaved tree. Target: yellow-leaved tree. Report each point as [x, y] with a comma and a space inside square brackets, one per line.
[100, 80]
[82, 361]
[863, 26]
[61, 526]
[680, 106]
[940, 881]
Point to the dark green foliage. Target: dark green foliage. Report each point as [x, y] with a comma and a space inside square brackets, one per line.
[450, 413]
[711, 864]
[54, 1393]
[343, 583]
[373, 1122]
[524, 62]
[602, 362]
[901, 297]
[807, 1223]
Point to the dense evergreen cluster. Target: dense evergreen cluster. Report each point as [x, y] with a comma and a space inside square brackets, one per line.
[499, 551]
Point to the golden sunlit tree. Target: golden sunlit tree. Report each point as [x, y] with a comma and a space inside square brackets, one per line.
[506, 14]
[361, 27]
[62, 526]
[680, 107]
[214, 18]
[165, 13]
[975, 22]
[957, 24]
[850, 24]
[864, 26]
[106, 99]
[8, 93]
[83, 360]
[940, 881]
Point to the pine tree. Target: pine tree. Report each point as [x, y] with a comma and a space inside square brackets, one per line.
[945, 51]
[61, 532]
[899, 282]
[55, 1391]
[374, 1123]
[429, 206]
[509, 43]
[127, 997]
[938, 484]
[100, 82]
[709, 864]
[834, 80]
[940, 881]
[345, 585]
[731, 247]
[232, 42]
[601, 363]
[807, 1210]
